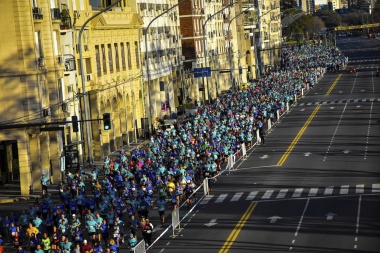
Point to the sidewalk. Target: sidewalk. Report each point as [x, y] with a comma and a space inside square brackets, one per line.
[9, 198]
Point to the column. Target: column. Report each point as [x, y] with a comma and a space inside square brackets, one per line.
[25, 164]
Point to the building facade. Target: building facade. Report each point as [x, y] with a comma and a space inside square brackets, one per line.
[161, 58]
[31, 78]
[112, 70]
[268, 35]
[137, 63]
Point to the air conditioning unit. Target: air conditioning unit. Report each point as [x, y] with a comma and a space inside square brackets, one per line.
[89, 77]
[70, 88]
[196, 33]
[246, 36]
[61, 59]
[65, 107]
[46, 112]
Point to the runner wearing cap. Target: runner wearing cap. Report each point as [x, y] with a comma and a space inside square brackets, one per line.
[132, 242]
[86, 247]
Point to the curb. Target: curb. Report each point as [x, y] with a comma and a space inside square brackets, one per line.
[6, 200]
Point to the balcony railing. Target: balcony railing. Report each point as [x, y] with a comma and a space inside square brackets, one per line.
[55, 14]
[37, 13]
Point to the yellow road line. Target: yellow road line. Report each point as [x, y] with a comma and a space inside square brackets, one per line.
[235, 232]
[333, 85]
[296, 139]
[302, 130]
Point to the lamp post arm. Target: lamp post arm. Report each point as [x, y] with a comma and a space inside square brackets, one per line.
[229, 40]
[86, 110]
[204, 27]
[147, 58]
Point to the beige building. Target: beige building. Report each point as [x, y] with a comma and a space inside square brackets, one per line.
[161, 58]
[336, 4]
[113, 74]
[42, 88]
[30, 80]
[268, 35]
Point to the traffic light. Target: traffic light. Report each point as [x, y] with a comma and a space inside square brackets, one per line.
[249, 69]
[240, 70]
[107, 121]
[74, 120]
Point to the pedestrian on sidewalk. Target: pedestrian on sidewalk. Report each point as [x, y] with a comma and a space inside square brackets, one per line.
[44, 183]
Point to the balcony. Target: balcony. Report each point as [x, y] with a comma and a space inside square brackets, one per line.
[65, 20]
[37, 13]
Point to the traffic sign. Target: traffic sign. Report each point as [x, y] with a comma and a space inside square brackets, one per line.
[202, 72]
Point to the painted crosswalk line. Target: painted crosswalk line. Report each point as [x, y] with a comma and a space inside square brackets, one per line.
[313, 192]
[282, 193]
[237, 196]
[375, 187]
[297, 192]
[359, 188]
[344, 189]
[206, 199]
[221, 198]
[329, 190]
[293, 193]
[252, 195]
[267, 194]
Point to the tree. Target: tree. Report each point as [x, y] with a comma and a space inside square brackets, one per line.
[300, 26]
[314, 26]
[330, 18]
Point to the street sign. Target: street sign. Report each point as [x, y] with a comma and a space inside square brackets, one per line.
[202, 72]
[71, 159]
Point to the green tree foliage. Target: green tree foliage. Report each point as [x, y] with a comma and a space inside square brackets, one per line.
[314, 26]
[330, 18]
[300, 26]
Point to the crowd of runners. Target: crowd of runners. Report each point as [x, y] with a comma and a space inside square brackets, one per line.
[111, 206]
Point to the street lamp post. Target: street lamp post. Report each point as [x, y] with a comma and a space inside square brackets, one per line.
[86, 109]
[147, 59]
[229, 42]
[205, 42]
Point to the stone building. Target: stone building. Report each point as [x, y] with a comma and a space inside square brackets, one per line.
[30, 79]
[161, 59]
[113, 74]
[204, 45]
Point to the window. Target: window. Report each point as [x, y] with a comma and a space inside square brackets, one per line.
[74, 5]
[55, 43]
[104, 59]
[97, 58]
[117, 57]
[110, 60]
[122, 53]
[129, 55]
[37, 38]
[137, 54]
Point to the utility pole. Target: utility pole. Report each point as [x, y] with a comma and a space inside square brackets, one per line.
[81, 67]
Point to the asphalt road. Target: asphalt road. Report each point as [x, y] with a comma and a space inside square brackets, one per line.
[314, 186]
